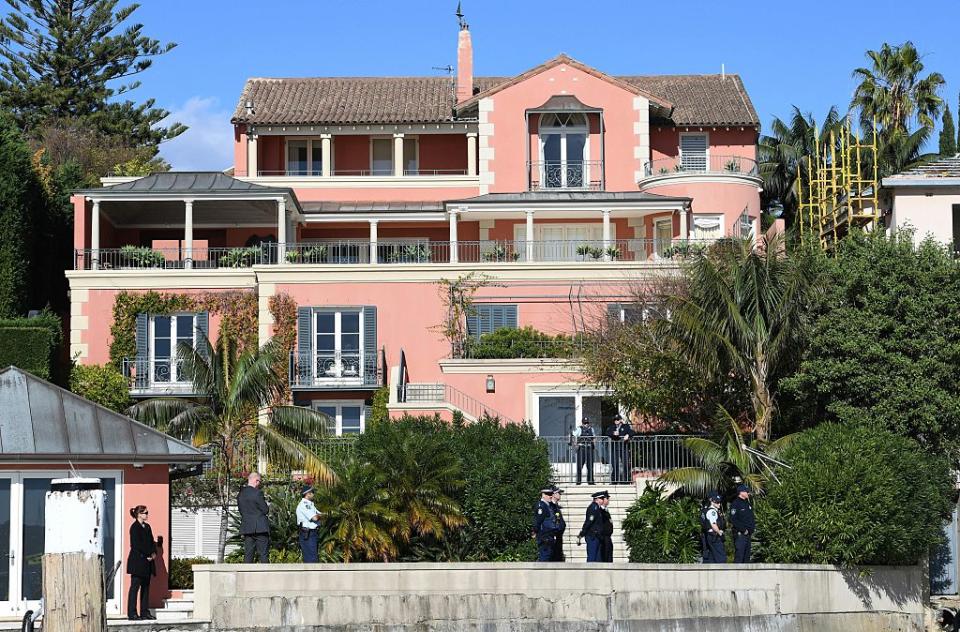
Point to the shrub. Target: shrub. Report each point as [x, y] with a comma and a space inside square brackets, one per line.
[32, 344]
[525, 342]
[854, 495]
[662, 530]
[103, 385]
[181, 571]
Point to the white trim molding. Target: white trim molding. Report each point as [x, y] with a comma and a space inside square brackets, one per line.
[512, 365]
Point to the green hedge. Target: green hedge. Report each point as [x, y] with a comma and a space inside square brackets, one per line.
[103, 385]
[181, 571]
[33, 344]
[526, 342]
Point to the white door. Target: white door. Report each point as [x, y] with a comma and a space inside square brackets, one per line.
[22, 525]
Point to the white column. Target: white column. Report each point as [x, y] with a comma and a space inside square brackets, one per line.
[529, 236]
[471, 153]
[281, 230]
[683, 225]
[454, 254]
[188, 233]
[606, 234]
[252, 155]
[398, 154]
[95, 236]
[373, 241]
[326, 155]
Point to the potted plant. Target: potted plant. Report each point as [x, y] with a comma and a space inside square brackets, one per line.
[613, 252]
[239, 257]
[500, 253]
[309, 254]
[583, 251]
[141, 257]
[596, 253]
[732, 165]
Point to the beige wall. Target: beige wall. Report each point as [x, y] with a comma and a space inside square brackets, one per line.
[929, 210]
[572, 596]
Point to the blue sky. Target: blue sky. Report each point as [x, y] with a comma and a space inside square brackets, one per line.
[783, 58]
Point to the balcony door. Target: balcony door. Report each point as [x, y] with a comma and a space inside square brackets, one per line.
[563, 151]
[166, 334]
[339, 345]
[560, 242]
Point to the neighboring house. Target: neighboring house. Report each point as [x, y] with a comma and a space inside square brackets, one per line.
[926, 199]
[46, 433]
[562, 185]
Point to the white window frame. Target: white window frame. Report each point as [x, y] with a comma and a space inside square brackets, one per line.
[174, 342]
[543, 132]
[406, 137]
[339, 404]
[310, 140]
[717, 216]
[741, 224]
[657, 246]
[706, 136]
[339, 377]
[571, 390]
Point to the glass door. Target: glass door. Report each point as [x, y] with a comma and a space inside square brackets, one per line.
[339, 351]
[8, 557]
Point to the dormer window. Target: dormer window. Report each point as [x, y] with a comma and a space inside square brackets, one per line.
[563, 150]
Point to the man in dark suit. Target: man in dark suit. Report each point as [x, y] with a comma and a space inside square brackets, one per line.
[620, 433]
[254, 524]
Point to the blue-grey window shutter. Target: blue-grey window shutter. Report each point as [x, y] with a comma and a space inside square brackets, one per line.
[509, 316]
[142, 361]
[613, 312]
[369, 345]
[202, 333]
[489, 318]
[473, 322]
[304, 363]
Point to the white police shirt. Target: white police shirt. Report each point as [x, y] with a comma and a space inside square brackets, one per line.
[306, 510]
[712, 516]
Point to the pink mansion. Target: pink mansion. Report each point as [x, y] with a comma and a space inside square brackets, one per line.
[355, 197]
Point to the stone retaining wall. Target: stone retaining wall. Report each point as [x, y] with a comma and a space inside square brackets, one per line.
[561, 597]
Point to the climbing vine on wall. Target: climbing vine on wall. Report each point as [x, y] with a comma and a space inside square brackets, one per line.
[237, 310]
[284, 311]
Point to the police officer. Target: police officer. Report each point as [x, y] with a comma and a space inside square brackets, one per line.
[606, 546]
[619, 433]
[307, 517]
[712, 524]
[545, 526]
[557, 554]
[744, 524]
[584, 439]
[595, 527]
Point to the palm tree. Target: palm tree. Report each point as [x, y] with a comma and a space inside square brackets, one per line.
[893, 94]
[726, 464]
[360, 515]
[785, 153]
[423, 476]
[232, 389]
[741, 315]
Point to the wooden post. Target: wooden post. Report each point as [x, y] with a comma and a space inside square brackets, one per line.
[73, 586]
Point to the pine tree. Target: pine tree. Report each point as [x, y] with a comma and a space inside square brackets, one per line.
[70, 59]
[948, 134]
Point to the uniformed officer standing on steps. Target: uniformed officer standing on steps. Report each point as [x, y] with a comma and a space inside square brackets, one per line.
[595, 526]
[744, 524]
[584, 440]
[557, 555]
[712, 524]
[545, 526]
[606, 546]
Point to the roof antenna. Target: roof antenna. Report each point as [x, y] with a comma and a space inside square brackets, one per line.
[449, 70]
[463, 23]
[723, 72]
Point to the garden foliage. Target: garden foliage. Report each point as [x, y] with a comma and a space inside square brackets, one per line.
[101, 384]
[661, 529]
[32, 344]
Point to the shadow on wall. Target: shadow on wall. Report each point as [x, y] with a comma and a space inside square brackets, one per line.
[896, 587]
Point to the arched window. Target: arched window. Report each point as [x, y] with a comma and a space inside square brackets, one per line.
[563, 150]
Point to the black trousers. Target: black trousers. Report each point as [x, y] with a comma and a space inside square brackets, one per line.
[585, 456]
[141, 584]
[741, 544]
[259, 542]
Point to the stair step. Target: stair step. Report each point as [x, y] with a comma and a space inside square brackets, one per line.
[171, 605]
[177, 615]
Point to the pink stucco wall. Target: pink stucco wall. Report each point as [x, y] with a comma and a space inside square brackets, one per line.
[240, 150]
[734, 141]
[387, 194]
[508, 118]
[730, 197]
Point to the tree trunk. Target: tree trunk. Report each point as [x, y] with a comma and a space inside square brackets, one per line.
[224, 516]
[762, 410]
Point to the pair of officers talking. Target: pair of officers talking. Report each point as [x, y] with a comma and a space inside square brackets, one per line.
[549, 527]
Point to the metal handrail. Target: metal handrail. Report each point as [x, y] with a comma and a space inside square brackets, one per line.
[565, 175]
[370, 173]
[701, 163]
[155, 375]
[335, 369]
[606, 460]
[438, 393]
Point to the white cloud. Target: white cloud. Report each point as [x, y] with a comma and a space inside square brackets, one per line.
[208, 144]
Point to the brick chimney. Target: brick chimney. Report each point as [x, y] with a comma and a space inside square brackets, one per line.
[464, 64]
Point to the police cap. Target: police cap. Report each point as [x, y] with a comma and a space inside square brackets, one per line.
[547, 490]
[556, 490]
[716, 498]
[306, 490]
[742, 488]
[603, 494]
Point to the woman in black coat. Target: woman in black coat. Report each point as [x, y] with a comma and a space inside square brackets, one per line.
[140, 565]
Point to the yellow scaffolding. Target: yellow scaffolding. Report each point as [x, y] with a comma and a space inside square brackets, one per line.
[839, 191]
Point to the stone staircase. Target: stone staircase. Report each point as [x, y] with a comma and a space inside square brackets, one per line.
[177, 608]
[574, 504]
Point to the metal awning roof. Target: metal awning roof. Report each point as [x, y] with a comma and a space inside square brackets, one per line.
[564, 103]
[41, 422]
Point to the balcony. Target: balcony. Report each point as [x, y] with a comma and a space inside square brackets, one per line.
[156, 377]
[390, 252]
[574, 175]
[336, 370]
[357, 173]
[702, 165]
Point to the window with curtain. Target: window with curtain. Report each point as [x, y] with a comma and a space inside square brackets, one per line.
[297, 158]
[707, 226]
[381, 156]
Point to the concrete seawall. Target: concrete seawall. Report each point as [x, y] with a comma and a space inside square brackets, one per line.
[561, 597]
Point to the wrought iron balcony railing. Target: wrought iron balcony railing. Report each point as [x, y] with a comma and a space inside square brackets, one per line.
[335, 370]
[156, 376]
[702, 164]
[583, 175]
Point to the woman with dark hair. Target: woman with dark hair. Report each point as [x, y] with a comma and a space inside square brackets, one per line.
[140, 566]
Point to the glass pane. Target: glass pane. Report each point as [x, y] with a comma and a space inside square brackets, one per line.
[109, 524]
[350, 342]
[557, 416]
[574, 172]
[185, 329]
[34, 503]
[331, 412]
[552, 170]
[4, 538]
[316, 157]
[382, 157]
[551, 148]
[297, 158]
[410, 156]
[326, 322]
[350, 322]
[161, 326]
[326, 343]
[351, 419]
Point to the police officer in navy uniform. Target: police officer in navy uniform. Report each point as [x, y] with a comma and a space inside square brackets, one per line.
[744, 524]
[619, 433]
[557, 554]
[594, 527]
[712, 524]
[606, 533]
[585, 439]
[545, 526]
